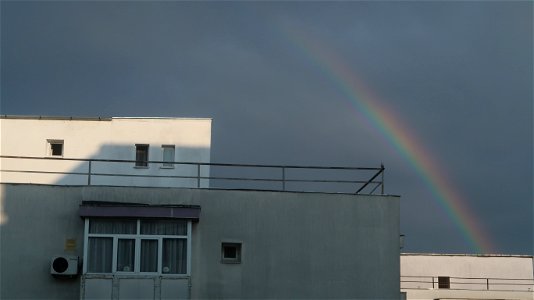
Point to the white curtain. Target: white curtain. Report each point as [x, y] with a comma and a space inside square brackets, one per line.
[174, 256]
[113, 226]
[174, 250]
[125, 255]
[100, 255]
[164, 227]
[149, 255]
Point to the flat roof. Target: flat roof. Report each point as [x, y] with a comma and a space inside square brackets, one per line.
[64, 118]
[467, 254]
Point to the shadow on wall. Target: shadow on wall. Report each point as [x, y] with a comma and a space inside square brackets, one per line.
[127, 165]
[115, 165]
[40, 221]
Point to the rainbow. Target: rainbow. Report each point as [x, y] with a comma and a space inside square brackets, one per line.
[397, 134]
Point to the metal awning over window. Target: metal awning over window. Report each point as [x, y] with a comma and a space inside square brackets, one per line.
[92, 209]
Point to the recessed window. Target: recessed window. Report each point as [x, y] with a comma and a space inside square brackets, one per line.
[444, 282]
[141, 155]
[55, 147]
[168, 156]
[231, 253]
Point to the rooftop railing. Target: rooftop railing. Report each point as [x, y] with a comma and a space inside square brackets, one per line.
[114, 172]
[467, 283]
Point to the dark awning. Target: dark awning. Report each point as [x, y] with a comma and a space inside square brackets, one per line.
[131, 210]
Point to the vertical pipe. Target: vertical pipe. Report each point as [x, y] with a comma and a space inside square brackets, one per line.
[487, 284]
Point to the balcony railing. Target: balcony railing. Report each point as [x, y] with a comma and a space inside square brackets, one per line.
[113, 172]
[467, 283]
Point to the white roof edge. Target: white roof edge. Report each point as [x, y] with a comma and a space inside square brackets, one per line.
[64, 118]
[467, 254]
[162, 118]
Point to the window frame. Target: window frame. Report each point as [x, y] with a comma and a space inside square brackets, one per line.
[168, 164]
[138, 237]
[238, 252]
[142, 164]
[49, 147]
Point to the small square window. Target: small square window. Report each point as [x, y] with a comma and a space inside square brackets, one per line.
[55, 147]
[168, 156]
[141, 155]
[444, 282]
[231, 253]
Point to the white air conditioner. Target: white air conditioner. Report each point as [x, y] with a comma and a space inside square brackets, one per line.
[64, 265]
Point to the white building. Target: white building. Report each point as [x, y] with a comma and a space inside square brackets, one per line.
[453, 276]
[78, 151]
[122, 208]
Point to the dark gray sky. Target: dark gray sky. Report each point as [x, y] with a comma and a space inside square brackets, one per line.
[457, 74]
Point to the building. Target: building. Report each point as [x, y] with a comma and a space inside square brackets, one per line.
[58, 150]
[454, 276]
[100, 209]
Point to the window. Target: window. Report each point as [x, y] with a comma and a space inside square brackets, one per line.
[168, 156]
[55, 147]
[141, 155]
[231, 253]
[137, 246]
[444, 282]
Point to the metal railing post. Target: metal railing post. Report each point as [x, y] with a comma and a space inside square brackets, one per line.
[381, 170]
[487, 284]
[382, 167]
[283, 178]
[433, 286]
[198, 175]
[89, 173]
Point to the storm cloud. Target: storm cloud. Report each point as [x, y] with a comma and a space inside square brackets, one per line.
[458, 75]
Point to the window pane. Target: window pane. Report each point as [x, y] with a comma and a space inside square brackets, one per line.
[113, 226]
[174, 256]
[164, 227]
[141, 155]
[168, 155]
[444, 282]
[231, 253]
[57, 149]
[125, 255]
[99, 256]
[149, 255]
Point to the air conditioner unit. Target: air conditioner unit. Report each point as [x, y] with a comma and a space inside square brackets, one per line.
[64, 265]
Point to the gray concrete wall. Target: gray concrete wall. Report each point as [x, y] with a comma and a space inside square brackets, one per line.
[36, 222]
[295, 245]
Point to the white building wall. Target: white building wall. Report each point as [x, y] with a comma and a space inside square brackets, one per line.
[471, 276]
[112, 139]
